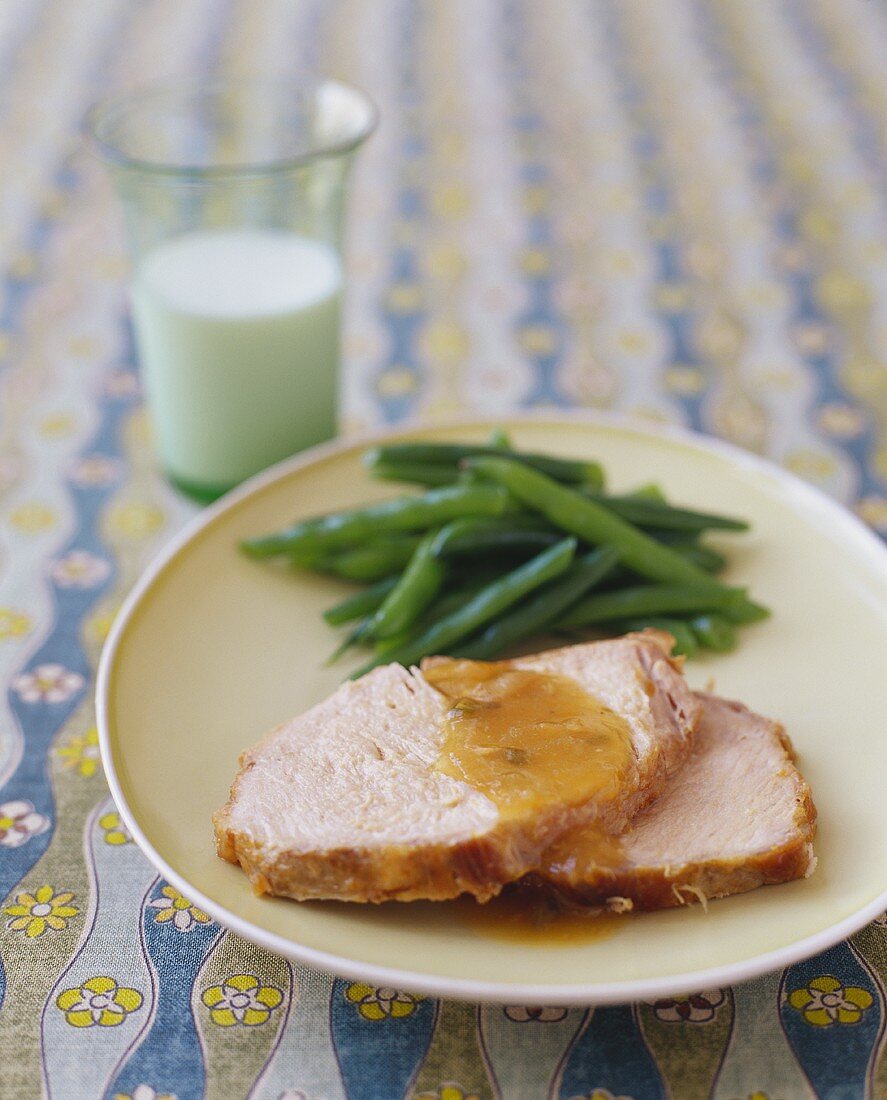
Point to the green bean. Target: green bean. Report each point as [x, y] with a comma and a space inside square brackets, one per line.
[388, 645]
[714, 632]
[410, 513]
[500, 440]
[452, 601]
[651, 599]
[503, 542]
[431, 474]
[491, 601]
[746, 611]
[647, 512]
[361, 603]
[420, 583]
[452, 454]
[650, 491]
[577, 514]
[354, 637]
[543, 609]
[703, 557]
[674, 538]
[685, 643]
[481, 534]
[377, 559]
[441, 608]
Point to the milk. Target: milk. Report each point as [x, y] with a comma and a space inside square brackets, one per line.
[238, 336]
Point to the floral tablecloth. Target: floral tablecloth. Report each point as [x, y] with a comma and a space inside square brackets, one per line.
[676, 208]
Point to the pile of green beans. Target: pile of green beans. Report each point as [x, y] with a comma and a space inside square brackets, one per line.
[502, 547]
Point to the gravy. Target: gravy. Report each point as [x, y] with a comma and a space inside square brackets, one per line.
[526, 914]
[527, 739]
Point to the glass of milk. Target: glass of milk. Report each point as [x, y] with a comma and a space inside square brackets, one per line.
[234, 195]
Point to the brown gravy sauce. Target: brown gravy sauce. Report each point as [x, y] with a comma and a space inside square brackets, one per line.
[525, 738]
[536, 917]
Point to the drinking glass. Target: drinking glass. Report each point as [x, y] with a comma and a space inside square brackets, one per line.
[233, 196]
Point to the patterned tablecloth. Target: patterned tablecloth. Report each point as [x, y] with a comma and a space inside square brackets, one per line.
[676, 208]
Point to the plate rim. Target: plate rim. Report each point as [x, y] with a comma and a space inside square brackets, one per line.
[584, 993]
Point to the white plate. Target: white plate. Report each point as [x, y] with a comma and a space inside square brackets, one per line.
[211, 649]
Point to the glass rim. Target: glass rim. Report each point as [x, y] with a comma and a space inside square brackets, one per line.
[117, 103]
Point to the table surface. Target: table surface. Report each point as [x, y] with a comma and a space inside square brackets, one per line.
[675, 209]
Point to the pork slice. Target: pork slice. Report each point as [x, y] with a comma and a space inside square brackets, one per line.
[736, 815]
[345, 801]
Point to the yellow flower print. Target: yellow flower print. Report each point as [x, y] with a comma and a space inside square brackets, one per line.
[817, 224]
[704, 259]
[825, 1001]
[241, 1000]
[719, 338]
[535, 261]
[99, 626]
[621, 262]
[81, 753]
[685, 380]
[115, 831]
[633, 341]
[379, 1004]
[57, 427]
[811, 465]
[446, 261]
[34, 913]
[673, 297]
[136, 521]
[52, 203]
[83, 346]
[764, 295]
[99, 1000]
[23, 265]
[31, 519]
[182, 914]
[404, 298]
[396, 382]
[842, 421]
[537, 339]
[842, 293]
[444, 341]
[661, 227]
[449, 1090]
[865, 377]
[13, 624]
[405, 233]
[536, 198]
[451, 200]
[873, 510]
